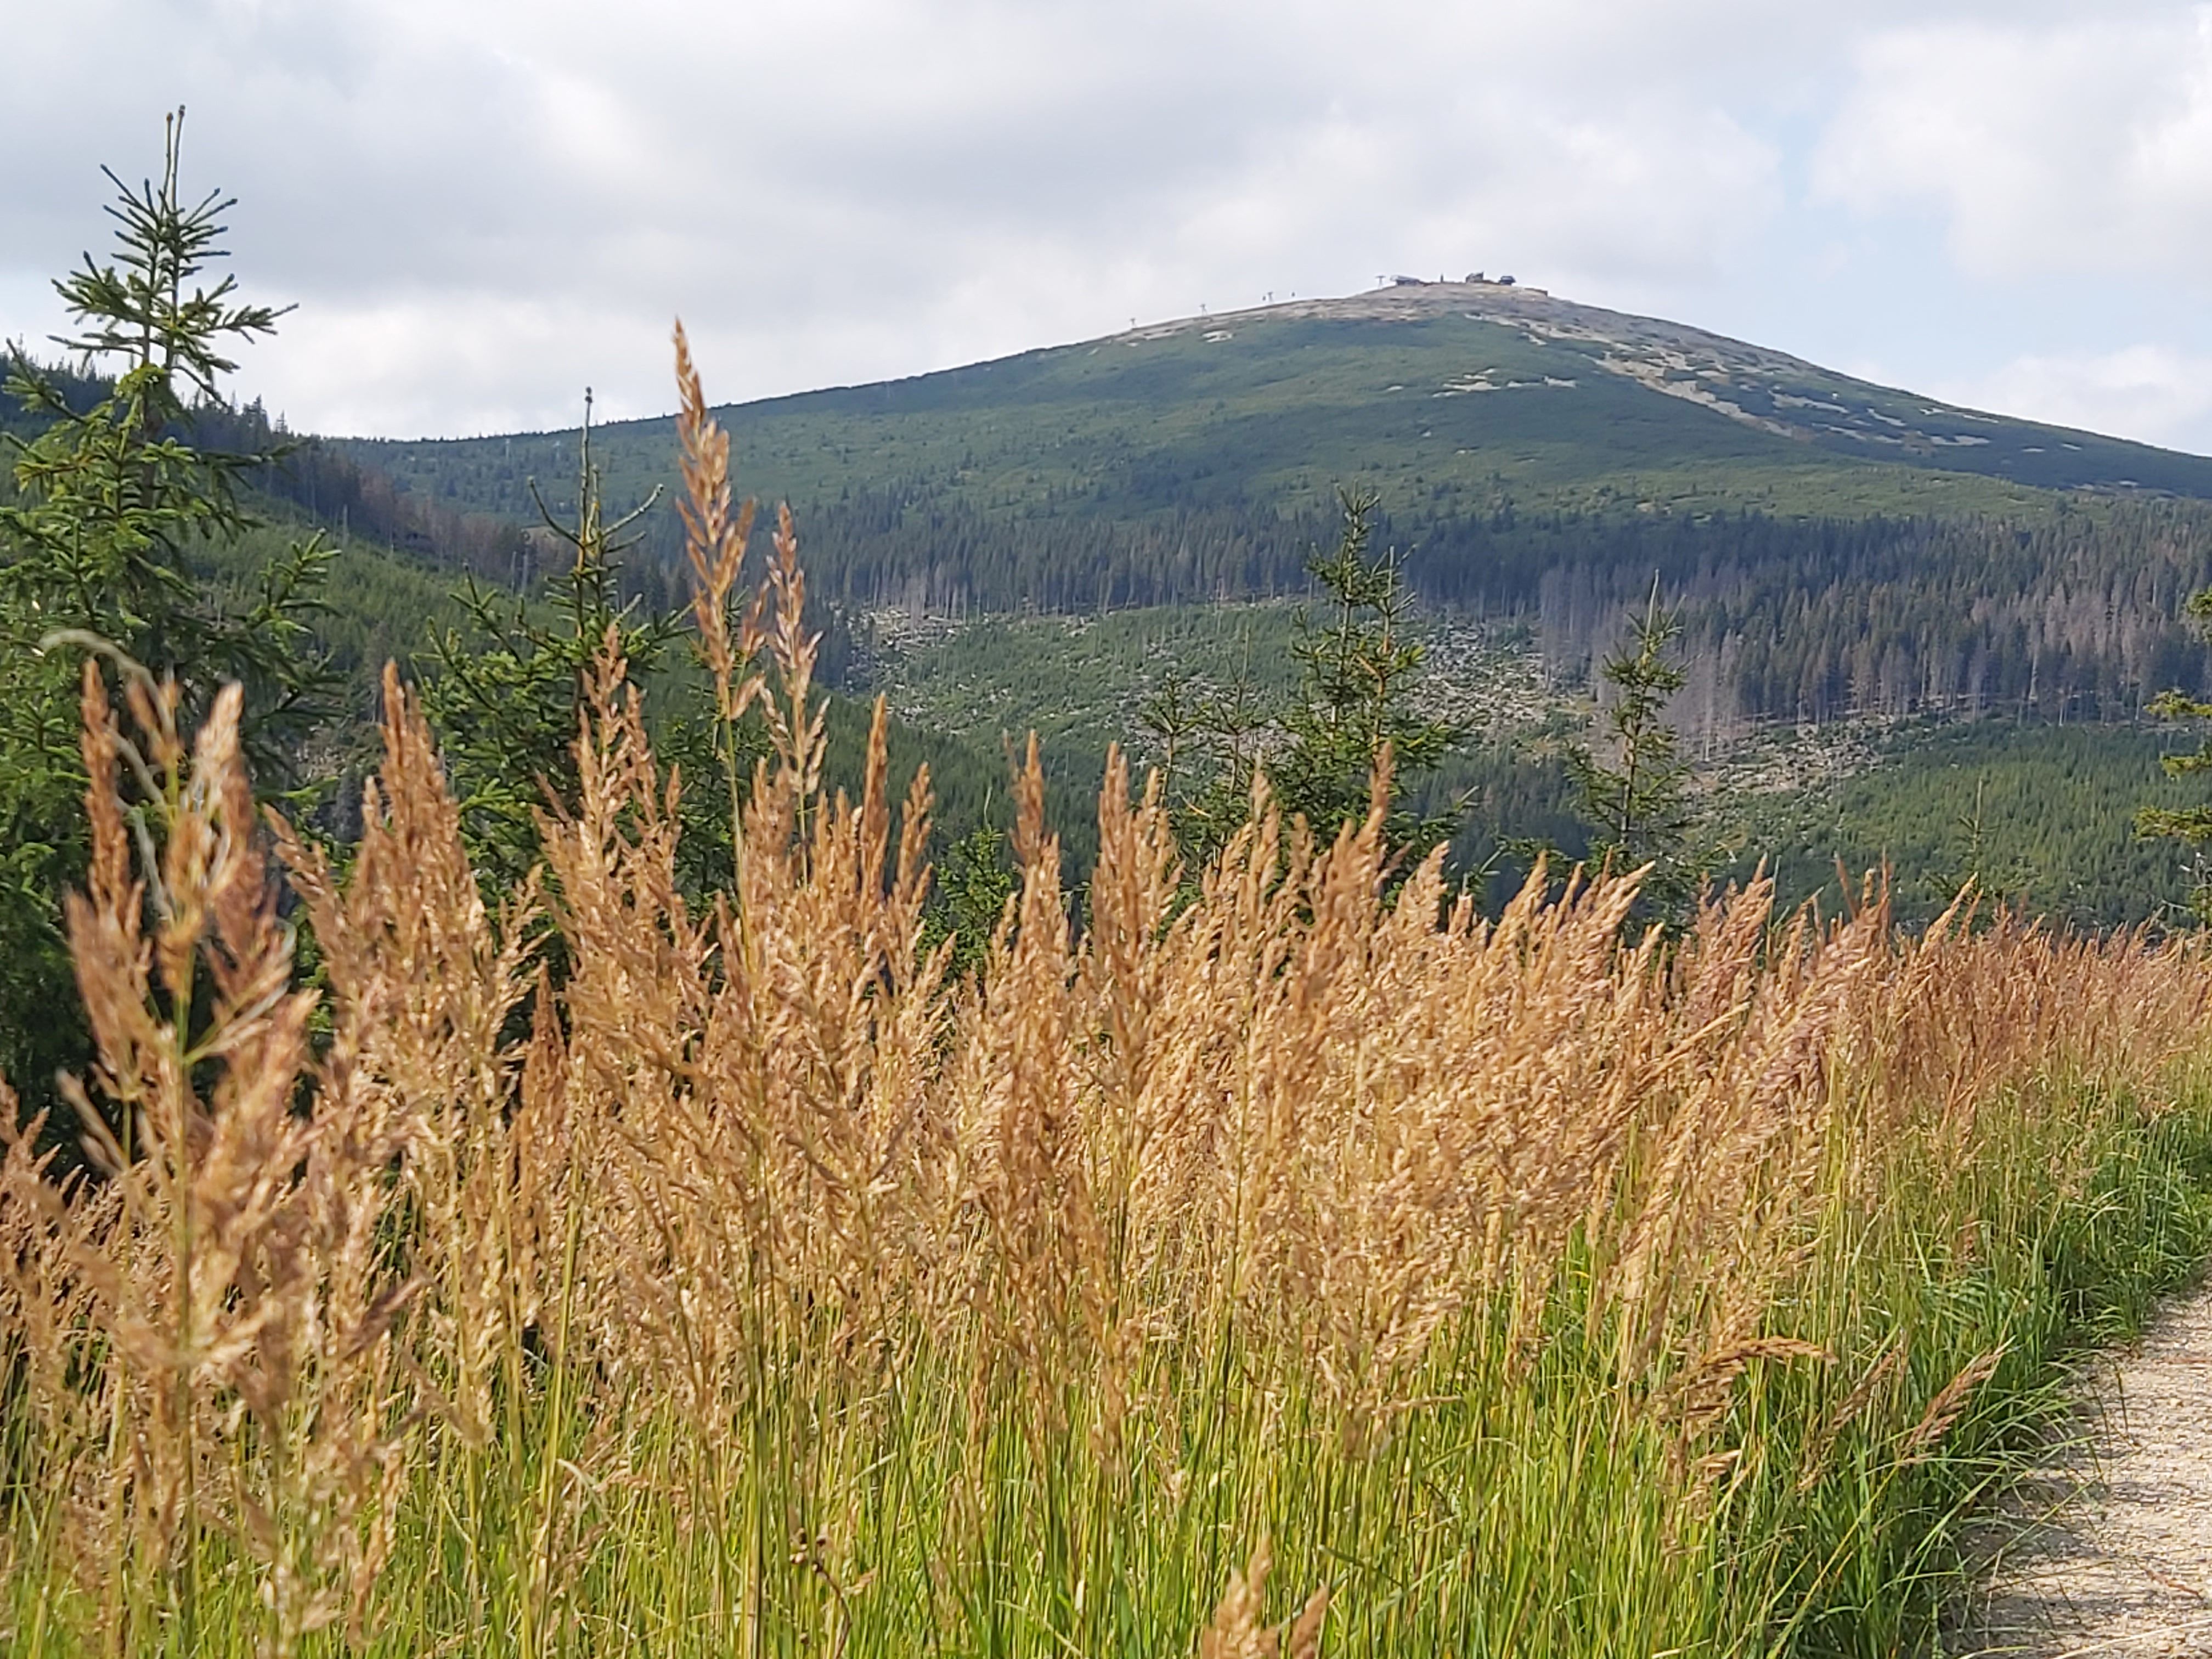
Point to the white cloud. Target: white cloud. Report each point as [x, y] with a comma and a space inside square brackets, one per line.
[482, 204]
[2075, 149]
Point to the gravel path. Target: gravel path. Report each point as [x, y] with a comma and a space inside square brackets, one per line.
[2110, 1552]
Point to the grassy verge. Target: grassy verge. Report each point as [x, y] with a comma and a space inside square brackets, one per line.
[886, 1508]
[1278, 1273]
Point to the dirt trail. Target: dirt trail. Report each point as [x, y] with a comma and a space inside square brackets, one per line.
[2113, 1556]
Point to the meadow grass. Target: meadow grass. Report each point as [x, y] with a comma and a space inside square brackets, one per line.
[1258, 1268]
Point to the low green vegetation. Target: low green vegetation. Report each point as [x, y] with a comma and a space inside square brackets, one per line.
[2040, 817]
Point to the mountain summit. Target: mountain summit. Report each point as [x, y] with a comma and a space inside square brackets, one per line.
[1556, 343]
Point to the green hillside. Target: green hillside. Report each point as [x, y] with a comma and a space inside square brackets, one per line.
[1841, 548]
[1819, 581]
[1455, 393]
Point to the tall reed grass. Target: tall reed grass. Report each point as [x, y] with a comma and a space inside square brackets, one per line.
[1273, 1271]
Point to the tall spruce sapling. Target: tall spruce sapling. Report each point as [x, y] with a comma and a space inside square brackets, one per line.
[1211, 741]
[114, 500]
[969, 892]
[2190, 825]
[1635, 785]
[1360, 665]
[116, 497]
[508, 688]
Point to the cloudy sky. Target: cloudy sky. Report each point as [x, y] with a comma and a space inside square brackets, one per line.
[480, 206]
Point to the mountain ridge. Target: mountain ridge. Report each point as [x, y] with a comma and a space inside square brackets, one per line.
[1815, 440]
[1839, 547]
[1683, 360]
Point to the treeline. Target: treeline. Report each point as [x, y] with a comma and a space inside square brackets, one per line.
[325, 484]
[2074, 616]
[314, 481]
[914, 546]
[334, 490]
[2077, 617]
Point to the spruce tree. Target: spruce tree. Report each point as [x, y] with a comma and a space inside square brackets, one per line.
[506, 692]
[1635, 784]
[1360, 665]
[2190, 825]
[112, 500]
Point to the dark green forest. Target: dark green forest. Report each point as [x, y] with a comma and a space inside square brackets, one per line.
[2040, 816]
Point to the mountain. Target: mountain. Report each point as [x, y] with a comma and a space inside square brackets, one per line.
[1468, 387]
[1840, 548]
